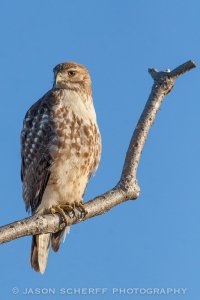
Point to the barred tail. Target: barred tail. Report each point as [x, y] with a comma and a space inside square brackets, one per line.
[40, 251]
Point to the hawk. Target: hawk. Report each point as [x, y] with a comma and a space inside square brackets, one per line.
[60, 149]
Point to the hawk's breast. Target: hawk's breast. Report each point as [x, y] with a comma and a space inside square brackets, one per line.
[76, 150]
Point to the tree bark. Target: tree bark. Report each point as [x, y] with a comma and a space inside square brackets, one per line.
[127, 188]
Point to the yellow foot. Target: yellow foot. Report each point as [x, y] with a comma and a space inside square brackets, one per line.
[64, 210]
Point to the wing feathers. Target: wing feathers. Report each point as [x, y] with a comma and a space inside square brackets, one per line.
[36, 139]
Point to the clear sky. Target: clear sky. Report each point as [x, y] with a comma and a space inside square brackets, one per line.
[149, 243]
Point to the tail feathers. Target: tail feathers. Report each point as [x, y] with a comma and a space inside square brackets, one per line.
[34, 255]
[57, 237]
[40, 248]
[39, 252]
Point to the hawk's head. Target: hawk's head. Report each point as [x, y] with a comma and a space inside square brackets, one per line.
[71, 75]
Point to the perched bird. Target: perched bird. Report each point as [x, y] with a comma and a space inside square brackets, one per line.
[60, 148]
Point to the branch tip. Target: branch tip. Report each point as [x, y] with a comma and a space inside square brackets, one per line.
[187, 66]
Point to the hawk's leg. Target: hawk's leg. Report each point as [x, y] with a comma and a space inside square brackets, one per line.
[80, 207]
[64, 210]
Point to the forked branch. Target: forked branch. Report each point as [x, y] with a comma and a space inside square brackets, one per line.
[127, 188]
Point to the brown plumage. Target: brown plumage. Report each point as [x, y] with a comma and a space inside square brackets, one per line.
[61, 147]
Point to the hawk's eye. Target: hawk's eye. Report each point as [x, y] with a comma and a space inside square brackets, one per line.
[71, 73]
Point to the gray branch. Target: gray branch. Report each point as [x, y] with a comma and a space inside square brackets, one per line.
[127, 188]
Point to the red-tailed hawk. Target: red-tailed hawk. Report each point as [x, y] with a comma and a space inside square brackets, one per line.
[61, 147]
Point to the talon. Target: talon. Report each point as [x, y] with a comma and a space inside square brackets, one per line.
[64, 210]
[58, 209]
[68, 208]
[79, 205]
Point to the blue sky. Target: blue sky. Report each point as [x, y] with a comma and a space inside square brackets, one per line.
[149, 243]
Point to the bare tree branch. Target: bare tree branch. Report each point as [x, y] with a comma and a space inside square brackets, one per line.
[127, 188]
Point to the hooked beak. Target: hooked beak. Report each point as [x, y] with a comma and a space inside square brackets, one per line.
[58, 77]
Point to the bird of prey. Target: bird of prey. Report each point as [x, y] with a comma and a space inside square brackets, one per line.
[60, 149]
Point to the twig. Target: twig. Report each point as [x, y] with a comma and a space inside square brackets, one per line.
[127, 188]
